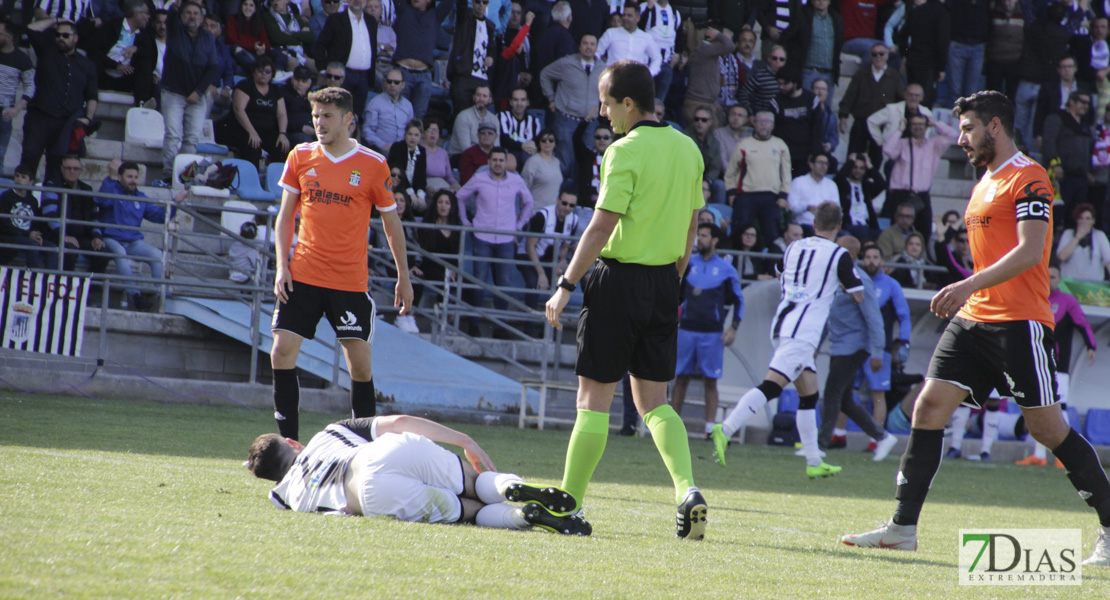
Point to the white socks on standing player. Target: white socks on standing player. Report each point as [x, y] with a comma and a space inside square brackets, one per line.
[959, 426]
[991, 419]
[806, 420]
[501, 516]
[746, 408]
[490, 486]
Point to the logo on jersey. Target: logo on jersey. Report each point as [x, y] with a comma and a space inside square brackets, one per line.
[349, 323]
[311, 172]
[1038, 189]
[356, 177]
[990, 193]
[1010, 382]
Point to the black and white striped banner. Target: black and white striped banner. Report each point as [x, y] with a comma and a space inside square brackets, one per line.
[42, 313]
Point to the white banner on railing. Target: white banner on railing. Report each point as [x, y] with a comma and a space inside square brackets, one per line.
[42, 313]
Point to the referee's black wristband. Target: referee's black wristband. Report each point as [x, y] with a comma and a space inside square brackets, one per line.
[565, 284]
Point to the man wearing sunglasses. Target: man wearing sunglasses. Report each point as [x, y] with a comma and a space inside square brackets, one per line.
[385, 117]
[65, 89]
[472, 54]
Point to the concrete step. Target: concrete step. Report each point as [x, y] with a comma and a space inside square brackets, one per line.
[106, 149]
[952, 188]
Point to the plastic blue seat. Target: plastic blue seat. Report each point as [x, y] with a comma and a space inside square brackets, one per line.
[1098, 426]
[273, 179]
[1074, 419]
[247, 185]
[788, 401]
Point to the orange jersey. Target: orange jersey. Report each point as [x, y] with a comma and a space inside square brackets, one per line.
[336, 195]
[1016, 192]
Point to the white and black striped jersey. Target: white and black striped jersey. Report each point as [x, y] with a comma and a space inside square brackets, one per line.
[812, 270]
[315, 481]
[514, 132]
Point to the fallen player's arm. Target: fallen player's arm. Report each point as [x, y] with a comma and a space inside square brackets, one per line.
[438, 433]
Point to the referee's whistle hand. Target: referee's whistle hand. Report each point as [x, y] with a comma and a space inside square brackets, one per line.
[554, 307]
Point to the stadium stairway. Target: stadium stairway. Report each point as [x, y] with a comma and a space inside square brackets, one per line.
[410, 373]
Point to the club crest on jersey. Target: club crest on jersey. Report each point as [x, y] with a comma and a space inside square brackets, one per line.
[990, 193]
[356, 177]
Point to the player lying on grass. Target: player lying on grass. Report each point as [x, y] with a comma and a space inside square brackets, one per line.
[391, 466]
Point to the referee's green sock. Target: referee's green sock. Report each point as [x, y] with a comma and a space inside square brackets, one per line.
[587, 444]
[669, 433]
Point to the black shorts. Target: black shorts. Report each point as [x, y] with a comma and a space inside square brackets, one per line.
[351, 314]
[629, 322]
[1018, 358]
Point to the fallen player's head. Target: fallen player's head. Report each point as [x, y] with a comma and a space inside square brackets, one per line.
[271, 456]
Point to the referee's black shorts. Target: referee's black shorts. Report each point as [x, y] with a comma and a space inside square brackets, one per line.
[629, 322]
[1018, 358]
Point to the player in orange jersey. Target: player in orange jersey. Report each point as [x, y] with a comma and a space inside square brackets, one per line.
[333, 184]
[1001, 329]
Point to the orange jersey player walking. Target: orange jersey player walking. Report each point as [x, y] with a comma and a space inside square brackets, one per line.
[333, 184]
[1001, 331]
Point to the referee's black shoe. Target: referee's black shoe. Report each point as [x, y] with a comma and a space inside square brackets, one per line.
[554, 499]
[564, 524]
[692, 516]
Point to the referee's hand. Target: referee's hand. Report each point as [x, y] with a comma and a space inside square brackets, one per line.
[554, 307]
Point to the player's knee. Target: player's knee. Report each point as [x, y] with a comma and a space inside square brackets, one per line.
[770, 389]
[808, 402]
[1047, 426]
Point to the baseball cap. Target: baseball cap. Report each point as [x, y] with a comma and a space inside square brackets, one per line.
[487, 127]
[302, 73]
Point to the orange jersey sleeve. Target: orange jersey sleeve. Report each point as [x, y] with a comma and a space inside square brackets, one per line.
[1016, 192]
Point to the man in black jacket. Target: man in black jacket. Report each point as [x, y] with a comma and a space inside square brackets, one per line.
[80, 232]
[473, 52]
[859, 183]
[814, 41]
[924, 44]
[351, 37]
[1054, 96]
[114, 45]
[796, 120]
[1068, 142]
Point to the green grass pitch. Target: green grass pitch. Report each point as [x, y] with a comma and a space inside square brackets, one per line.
[117, 499]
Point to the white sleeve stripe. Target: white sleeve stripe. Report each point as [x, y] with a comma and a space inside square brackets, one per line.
[858, 288]
[387, 209]
[289, 187]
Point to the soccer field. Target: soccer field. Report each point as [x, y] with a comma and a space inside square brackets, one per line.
[117, 499]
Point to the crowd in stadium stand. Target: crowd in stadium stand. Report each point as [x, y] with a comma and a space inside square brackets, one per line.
[445, 88]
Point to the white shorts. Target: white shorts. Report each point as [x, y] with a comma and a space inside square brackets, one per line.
[410, 478]
[792, 356]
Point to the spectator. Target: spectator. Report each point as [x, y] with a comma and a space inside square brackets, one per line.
[967, 48]
[775, 17]
[334, 75]
[705, 74]
[467, 122]
[539, 252]
[443, 210]
[412, 160]
[589, 161]
[736, 129]
[244, 256]
[815, 39]
[660, 19]
[316, 23]
[861, 25]
[869, 91]
[762, 84]
[909, 274]
[591, 18]
[543, 173]
[797, 121]
[15, 71]
[701, 133]
[1078, 17]
[915, 164]
[570, 86]
[477, 156]
[629, 42]
[65, 94]
[17, 209]
[191, 66]
[1003, 50]
[511, 66]
[113, 47]
[827, 123]
[472, 53]
[924, 41]
[80, 232]
[553, 43]
[383, 121]
[751, 268]
[1084, 252]
[220, 91]
[497, 194]
[809, 191]
[440, 174]
[883, 122]
[892, 241]
[859, 183]
[1056, 97]
[149, 60]
[387, 44]
[417, 28]
[286, 32]
[737, 15]
[759, 173]
[954, 254]
[297, 107]
[351, 38]
[792, 233]
[128, 244]
[1067, 149]
[518, 130]
[896, 312]
[258, 121]
[950, 220]
[735, 67]
[1046, 42]
[247, 36]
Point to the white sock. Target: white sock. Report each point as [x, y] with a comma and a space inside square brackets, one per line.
[959, 426]
[490, 486]
[709, 426]
[838, 432]
[746, 408]
[990, 429]
[501, 516]
[1039, 450]
[806, 420]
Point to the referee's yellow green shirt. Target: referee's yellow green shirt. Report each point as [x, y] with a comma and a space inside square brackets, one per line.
[652, 178]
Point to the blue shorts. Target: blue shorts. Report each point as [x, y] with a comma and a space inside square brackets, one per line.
[700, 354]
[897, 421]
[876, 382]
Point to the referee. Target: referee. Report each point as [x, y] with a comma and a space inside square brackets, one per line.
[640, 235]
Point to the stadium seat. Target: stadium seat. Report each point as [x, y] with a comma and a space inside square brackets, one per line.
[207, 143]
[1074, 419]
[788, 401]
[247, 186]
[232, 221]
[1098, 426]
[184, 160]
[883, 222]
[144, 127]
[273, 179]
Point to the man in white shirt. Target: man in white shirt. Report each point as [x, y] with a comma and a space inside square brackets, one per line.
[664, 24]
[809, 191]
[883, 121]
[629, 42]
